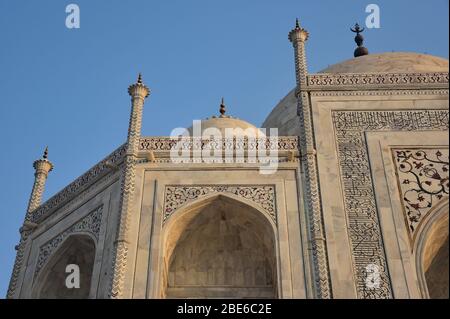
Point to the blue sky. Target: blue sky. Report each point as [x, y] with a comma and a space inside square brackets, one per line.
[67, 88]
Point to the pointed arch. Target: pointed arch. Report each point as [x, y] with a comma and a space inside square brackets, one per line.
[432, 244]
[50, 283]
[219, 245]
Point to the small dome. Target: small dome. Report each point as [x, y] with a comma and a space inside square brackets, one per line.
[222, 123]
[391, 62]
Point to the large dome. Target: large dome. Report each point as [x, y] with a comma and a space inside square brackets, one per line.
[284, 115]
[392, 62]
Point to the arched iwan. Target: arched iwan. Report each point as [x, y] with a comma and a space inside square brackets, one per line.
[431, 253]
[219, 246]
[77, 249]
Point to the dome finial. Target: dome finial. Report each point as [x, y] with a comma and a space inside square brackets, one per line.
[222, 109]
[359, 39]
[297, 24]
[45, 156]
[139, 80]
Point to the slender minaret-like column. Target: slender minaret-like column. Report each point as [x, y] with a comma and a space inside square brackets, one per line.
[138, 93]
[42, 167]
[298, 36]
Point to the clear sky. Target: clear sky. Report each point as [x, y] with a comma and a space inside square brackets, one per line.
[67, 88]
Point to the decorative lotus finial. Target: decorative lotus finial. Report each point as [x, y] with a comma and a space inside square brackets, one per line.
[359, 39]
[298, 33]
[139, 88]
[43, 164]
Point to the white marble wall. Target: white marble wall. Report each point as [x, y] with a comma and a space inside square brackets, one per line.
[289, 232]
[388, 199]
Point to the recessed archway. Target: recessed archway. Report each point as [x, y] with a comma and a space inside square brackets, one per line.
[432, 257]
[220, 248]
[78, 249]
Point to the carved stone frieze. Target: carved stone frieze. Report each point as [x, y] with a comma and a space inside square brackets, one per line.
[377, 80]
[177, 195]
[280, 143]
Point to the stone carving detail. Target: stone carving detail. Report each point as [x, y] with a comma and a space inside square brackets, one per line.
[91, 223]
[380, 92]
[423, 176]
[73, 189]
[24, 235]
[283, 143]
[359, 197]
[177, 195]
[312, 195]
[377, 79]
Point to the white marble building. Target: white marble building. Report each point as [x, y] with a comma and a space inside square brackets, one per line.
[357, 207]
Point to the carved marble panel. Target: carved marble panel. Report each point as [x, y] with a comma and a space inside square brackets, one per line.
[423, 180]
[357, 182]
[178, 195]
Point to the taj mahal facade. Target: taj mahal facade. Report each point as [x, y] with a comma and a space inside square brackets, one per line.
[348, 200]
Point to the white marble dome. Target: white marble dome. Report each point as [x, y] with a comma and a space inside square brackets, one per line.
[284, 115]
[222, 123]
[391, 62]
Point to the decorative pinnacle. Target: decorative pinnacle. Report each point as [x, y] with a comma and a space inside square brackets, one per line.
[139, 88]
[359, 39]
[222, 108]
[298, 33]
[43, 164]
[357, 29]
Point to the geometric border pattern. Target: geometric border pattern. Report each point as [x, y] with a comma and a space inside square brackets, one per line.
[378, 80]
